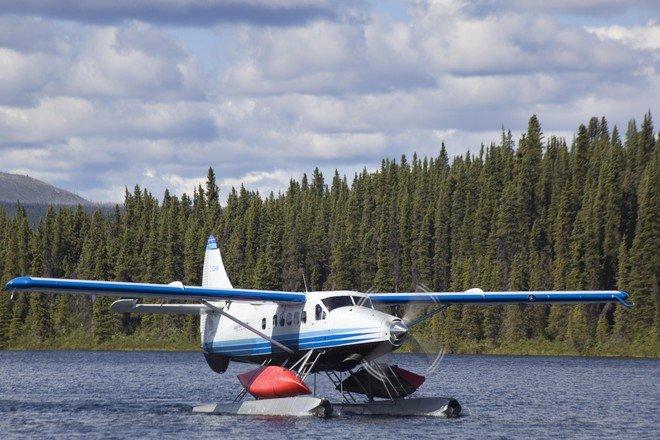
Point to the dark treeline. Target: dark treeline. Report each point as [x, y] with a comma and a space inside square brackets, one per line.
[36, 211]
[537, 215]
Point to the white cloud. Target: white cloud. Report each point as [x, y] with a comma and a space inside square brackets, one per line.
[262, 181]
[107, 104]
[130, 61]
[180, 185]
[583, 7]
[23, 75]
[646, 37]
[381, 55]
[62, 118]
[134, 61]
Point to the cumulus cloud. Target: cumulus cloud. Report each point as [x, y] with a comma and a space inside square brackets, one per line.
[99, 104]
[181, 185]
[645, 37]
[442, 38]
[62, 118]
[186, 12]
[24, 75]
[134, 61]
[583, 7]
[329, 58]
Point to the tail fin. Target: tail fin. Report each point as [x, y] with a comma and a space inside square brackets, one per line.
[214, 274]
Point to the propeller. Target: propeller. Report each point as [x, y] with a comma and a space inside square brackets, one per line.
[425, 353]
[428, 353]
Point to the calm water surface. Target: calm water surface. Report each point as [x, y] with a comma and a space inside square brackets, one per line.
[150, 395]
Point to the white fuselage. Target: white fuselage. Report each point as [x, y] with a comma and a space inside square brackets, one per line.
[326, 321]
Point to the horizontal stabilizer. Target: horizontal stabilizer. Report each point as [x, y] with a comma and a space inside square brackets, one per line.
[132, 306]
[175, 291]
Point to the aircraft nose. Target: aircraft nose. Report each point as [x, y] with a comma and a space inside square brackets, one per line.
[398, 331]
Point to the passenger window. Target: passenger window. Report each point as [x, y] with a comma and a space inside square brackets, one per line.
[296, 318]
[303, 317]
[323, 317]
[288, 318]
[263, 324]
[282, 320]
[318, 312]
[274, 321]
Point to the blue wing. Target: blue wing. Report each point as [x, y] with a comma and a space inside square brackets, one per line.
[175, 290]
[476, 296]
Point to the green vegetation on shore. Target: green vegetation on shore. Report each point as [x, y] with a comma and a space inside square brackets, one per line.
[645, 346]
[534, 214]
[79, 340]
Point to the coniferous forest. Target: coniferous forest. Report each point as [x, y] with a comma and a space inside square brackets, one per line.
[540, 213]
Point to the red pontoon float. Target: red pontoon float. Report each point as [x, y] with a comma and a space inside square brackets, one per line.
[273, 381]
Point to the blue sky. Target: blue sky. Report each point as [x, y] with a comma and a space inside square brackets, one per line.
[96, 95]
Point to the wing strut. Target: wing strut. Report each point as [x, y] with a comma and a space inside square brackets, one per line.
[247, 326]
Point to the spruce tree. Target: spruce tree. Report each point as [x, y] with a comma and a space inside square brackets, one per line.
[268, 273]
[94, 264]
[38, 319]
[17, 263]
[213, 211]
[622, 317]
[644, 261]
[513, 323]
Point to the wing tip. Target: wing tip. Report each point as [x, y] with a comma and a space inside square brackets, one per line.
[21, 282]
[622, 297]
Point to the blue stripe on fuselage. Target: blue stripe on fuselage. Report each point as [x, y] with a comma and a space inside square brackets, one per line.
[294, 337]
[299, 341]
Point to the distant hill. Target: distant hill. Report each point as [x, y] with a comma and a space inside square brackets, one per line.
[27, 190]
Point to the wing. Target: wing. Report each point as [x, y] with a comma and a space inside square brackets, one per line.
[477, 296]
[176, 290]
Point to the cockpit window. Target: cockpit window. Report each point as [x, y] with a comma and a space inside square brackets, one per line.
[335, 302]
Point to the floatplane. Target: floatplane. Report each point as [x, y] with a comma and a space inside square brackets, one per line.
[290, 335]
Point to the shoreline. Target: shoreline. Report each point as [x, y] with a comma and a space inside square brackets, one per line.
[643, 346]
[460, 352]
[174, 350]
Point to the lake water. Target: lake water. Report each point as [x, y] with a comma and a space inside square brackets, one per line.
[150, 394]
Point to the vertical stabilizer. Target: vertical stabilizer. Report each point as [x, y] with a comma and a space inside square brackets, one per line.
[214, 274]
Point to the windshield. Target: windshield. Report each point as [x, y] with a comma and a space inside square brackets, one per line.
[363, 301]
[335, 302]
